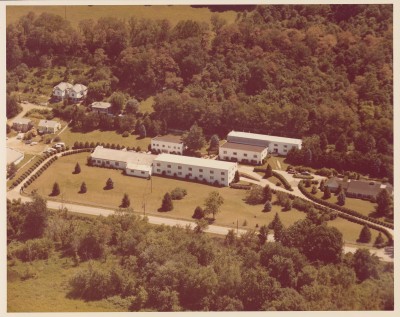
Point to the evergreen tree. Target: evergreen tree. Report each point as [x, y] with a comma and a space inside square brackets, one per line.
[322, 185]
[109, 184]
[365, 235]
[167, 204]
[198, 213]
[268, 171]
[314, 190]
[379, 241]
[263, 234]
[267, 206]
[341, 199]
[237, 177]
[339, 189]
[288, 205]
[83, 188]
[277, 226]
[341, 144]
[126, 202]
[214, 142]
[56, 190]
[267, 193]
[384, 202]
[323, 141]
[327, 193]
[77, 169]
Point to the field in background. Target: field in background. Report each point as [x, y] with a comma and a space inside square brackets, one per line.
[77, 13]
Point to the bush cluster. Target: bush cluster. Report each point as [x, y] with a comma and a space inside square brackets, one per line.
[283, 181]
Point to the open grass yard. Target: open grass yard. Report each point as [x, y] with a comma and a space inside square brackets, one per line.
[77, 13]
[364, 207]
[47, 291]
[139, 190]
[70, 137]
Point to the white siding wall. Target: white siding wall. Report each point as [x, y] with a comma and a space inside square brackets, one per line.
[109, 163]
[224, 177]
[166, 147]
[228, 154]
[137, 173]
[281, 148]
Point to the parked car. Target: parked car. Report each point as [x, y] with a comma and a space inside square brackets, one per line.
[34, 143]
[306, 173]
[20, 136]
[291, 172]
[28, 142]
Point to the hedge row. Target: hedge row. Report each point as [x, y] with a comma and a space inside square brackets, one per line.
[303, 176]
[283, 180]
[341, 208]
[76, 152]
[20, 179]
[240, 186]
[39, 172]
[260, 169]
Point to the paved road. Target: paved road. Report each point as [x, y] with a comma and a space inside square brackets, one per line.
[15, 194]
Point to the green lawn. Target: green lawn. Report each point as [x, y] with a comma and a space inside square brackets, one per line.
[77, 13]
[48, 291]
[70, 137]
[273, 162]
[139, 191]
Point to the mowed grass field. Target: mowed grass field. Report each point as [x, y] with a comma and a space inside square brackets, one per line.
[78, 13]
[48, 291]
[150, 193]
[70, 137]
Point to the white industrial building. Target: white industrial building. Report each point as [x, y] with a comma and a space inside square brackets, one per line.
[206, 170]
[133, 163]
[172, 144]
[14, 156]
[275, 144]
[244, 153]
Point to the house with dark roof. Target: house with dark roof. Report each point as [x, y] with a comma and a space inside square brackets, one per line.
[172, 144]
[364, 189]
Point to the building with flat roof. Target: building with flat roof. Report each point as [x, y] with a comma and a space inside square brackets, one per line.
[172, 144]
[275, 144]
[244, 153]
[134, 163]
[14, 156]
[192, 168]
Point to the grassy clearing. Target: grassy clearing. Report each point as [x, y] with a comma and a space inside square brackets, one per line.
[78, 13]
[147, 105]
[69, 137]
[139, 191]
[48, 291]
[273, 161]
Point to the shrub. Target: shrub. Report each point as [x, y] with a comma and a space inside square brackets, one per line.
[167, 204]
[282, 180]
[198, 213]
[125, 134]
[57, 139]
[56, 189]
[36, 249]
[178, 193]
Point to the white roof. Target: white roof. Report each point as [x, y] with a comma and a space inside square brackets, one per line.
[123, 156]
[63, 86]
[49, 123]
[13, 155]
[194, 161]
[138, 167]
[263, 137]
[79, 87]
[22, 121]
[101, 105]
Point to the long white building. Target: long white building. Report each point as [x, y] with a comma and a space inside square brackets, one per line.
[207, 170]
[275, 144]
[244, 153]
[172, 144]
[135, 164]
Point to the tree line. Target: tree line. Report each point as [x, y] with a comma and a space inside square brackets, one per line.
[185, 270]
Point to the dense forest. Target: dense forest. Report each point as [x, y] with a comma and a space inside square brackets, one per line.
[286, 70]
[143, 267]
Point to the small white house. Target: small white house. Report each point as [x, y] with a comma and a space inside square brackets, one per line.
[61, 90]
[275, 144]
[192, 168]
[244, 153]
[101, 107]
[48, 126]
[22, 124]
[172, 144]
[77, 92]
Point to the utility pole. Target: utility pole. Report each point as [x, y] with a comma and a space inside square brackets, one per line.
[237, 226]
